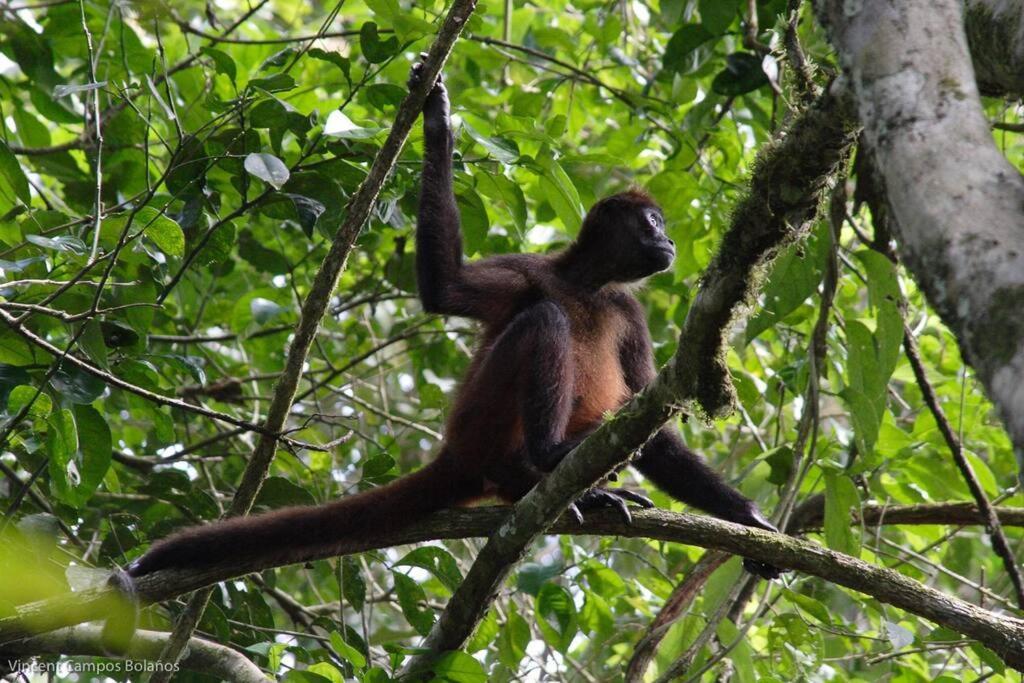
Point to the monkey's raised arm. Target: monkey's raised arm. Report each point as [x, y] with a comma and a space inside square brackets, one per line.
[668, 463]
[446, 284]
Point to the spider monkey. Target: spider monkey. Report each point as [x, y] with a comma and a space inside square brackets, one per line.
[563, 342]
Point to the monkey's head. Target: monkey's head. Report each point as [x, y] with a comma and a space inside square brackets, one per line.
[623, 237]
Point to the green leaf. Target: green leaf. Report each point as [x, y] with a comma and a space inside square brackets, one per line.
[385, 95]
[326, 672]
[339, 125]
[263, 259]
[14, 183]
[334, 58]
[222, 61]
[840, 498]
[717, 15]
[186, 174]
[532, 577]
[475, 223]
[264, 310]
[741, 653]
[278, 59]
[21, 395]
[561, 193]
[795, 277]
[267, 168]
[164, 232]
[116, 335]
[274, 83]
[30, 50]
[410, 595]
[460, 668]
[278, 492]
[513, 640]
[61, 447]
[682, 44]
[95, 450]
[485, 633]
[438, 562]
[504, 150]
[742, 74]
[14, 350]
[353, 585]
[378, 466]
[76, 385]
[268, 113]
[505, 194]
[374, 49]
[309, 211]
[781, 461]
[352, 655]
[65, 243]
[809, 605]
[556, 616]
[596, 616]
[80, 448]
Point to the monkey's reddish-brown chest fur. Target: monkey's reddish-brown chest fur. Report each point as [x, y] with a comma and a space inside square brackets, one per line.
[598, 383]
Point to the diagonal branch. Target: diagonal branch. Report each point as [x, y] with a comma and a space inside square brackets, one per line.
[885, 226]
[992, 525]
[316, 302]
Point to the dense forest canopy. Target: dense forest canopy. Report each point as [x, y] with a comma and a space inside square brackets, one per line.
[173, 177]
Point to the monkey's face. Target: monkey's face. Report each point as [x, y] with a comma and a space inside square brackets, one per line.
[644, 249]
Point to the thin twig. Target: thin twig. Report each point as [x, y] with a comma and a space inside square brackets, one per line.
[992, 525]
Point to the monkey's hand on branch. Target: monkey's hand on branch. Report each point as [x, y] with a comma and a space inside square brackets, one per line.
[597, 498]
[755, 518]
[436, 108]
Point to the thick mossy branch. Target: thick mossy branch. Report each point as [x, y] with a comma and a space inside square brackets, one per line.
[786, 187]
[1004, 635]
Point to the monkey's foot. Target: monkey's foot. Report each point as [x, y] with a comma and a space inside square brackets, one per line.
[597, 498]
[765, 571]
[755, 518]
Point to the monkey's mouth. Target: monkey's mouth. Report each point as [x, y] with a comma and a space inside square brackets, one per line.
[669, 254]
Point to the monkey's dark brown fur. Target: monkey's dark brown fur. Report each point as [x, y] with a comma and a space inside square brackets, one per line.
[563, 342]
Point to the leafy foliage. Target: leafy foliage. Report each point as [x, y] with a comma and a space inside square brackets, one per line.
[170, 242]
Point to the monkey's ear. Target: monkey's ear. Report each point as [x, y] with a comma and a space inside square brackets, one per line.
[122, 614]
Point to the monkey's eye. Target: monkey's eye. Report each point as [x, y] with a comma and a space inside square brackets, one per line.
[654, 220]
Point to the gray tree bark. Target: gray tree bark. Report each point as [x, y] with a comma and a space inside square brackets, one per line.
[958, 204]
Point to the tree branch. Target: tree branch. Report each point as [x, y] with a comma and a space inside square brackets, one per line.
[203, 656]
[318, 298]
[1003, 634]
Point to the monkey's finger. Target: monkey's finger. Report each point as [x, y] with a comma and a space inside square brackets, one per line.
[623, 509]
[575, 512]
[633, 497]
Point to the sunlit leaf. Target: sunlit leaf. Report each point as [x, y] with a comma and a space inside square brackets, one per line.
[267, 168]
